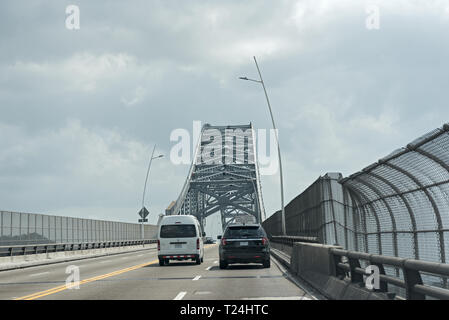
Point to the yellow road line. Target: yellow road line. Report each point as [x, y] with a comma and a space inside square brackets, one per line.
[65, 287]
[107, 275]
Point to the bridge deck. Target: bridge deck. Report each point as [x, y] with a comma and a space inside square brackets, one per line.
[138, 275]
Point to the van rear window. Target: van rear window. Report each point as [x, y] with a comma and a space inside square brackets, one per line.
[178, 231]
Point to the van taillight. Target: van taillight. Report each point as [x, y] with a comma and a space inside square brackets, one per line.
[198, 244]
[264, 241]
[223, 241]
[158, 245]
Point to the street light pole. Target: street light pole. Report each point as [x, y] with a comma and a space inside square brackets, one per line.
[277, 141]
[145, 186]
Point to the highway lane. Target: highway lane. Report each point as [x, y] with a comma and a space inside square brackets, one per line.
[20, 282]
[138, 276]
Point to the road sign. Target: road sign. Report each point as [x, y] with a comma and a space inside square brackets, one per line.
[143, 220]
[143, 213]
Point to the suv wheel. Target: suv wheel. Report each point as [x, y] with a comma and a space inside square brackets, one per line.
[161, 262]
[223, 264]
[266, 263]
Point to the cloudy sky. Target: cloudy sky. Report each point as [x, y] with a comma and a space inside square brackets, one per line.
[80, 110]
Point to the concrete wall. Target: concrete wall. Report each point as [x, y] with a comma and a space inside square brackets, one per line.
[29, 260]
[282, 247]
[314, 264]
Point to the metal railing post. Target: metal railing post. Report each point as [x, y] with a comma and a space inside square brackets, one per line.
[353, 264]
[412, 278]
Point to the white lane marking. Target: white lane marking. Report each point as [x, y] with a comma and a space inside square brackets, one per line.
[203, 292]
[139, 255]
[196, 278]
[278, 298]
[39, 274]
[180, 295]
[216, 261]
[208, 268]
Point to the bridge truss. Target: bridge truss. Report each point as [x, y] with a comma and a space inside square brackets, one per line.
[224, 177]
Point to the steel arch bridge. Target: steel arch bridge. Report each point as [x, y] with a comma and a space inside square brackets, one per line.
[223, 177]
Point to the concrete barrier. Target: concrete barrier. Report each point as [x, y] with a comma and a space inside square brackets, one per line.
[282, 247]
[30, 260]
[314, 264]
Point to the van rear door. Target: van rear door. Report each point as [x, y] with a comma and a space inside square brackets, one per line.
[178, 238]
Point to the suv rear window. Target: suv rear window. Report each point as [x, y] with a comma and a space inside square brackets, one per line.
[178, 231]
[244, 232]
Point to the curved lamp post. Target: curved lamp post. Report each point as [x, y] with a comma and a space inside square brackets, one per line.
[277, 141]
[145, 187]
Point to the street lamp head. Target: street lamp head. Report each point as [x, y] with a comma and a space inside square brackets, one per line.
[249, 79]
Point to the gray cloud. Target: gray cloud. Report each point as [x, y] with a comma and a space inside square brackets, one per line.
[80, 110]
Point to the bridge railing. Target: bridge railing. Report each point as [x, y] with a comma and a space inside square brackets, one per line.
[290, 240]
[347, 264]
[285, 243]
[21, 250]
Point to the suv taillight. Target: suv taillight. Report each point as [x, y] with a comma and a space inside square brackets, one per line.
[198, 244]
[223, 241]
[264, 241]
[158, 245]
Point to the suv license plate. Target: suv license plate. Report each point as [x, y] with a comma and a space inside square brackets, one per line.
[243, 243]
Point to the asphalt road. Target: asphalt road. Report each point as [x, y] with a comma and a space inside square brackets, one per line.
[137, 275]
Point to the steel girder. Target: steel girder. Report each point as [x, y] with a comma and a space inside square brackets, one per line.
[224, 176]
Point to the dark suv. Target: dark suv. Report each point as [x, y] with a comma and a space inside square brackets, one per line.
[244, 243]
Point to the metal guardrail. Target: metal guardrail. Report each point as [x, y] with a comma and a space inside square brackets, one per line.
[347, 264]
[411, 268]
[18, 250]
[290, 240]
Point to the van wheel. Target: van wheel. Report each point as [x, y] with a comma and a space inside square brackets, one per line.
[161, 262]
[198, 260]
[223, 264]
[202, 259]
[166, 262]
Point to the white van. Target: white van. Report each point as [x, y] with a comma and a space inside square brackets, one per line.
[180, 238]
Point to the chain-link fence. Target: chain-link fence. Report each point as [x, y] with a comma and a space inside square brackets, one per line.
[321, 211]
[18, 228]
[398, 206]
[404, 200]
